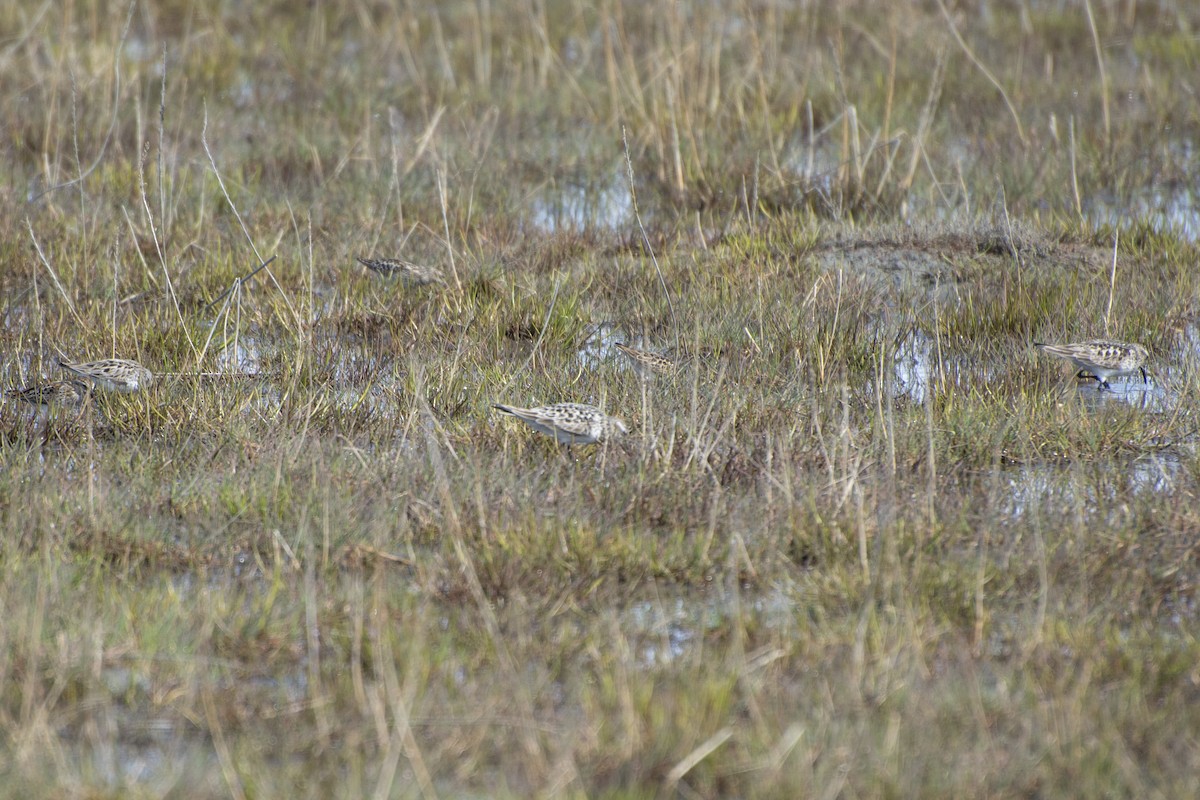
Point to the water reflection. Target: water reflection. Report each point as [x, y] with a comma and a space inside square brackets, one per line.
[1149, 396]
[666, 629]
[1067, 489]
[1164, 205]
[911, 366]
[604, 204]
[241, 356]
[599, 344]
[915, 364]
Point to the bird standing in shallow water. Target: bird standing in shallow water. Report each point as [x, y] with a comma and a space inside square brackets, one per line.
[113, 373]
[1102, 358]
[568, 423]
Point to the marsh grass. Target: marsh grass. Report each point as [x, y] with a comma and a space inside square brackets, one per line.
[864, 541]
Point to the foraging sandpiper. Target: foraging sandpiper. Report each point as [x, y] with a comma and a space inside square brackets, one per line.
[415, 274]
[1101, 358]
[117, 374]
[568, 423]
[646, 362]
[68, 393]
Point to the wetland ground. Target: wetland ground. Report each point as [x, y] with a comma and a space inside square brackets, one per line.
[866, 542]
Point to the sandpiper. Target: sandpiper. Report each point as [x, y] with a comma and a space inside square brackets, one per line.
[116, 374]
[68, 393]
[1101, 358]
[568, 423]
[646, 362]
[416, 274]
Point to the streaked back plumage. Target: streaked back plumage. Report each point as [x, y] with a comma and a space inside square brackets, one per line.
[68, 393]
[1102, 358]
[416, 274]
[568, 423]
[645, 361]
[118, 374]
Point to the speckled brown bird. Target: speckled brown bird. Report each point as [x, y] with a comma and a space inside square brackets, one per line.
[116, 374]
[1102, 358]
[415, 274]
[568, 423]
